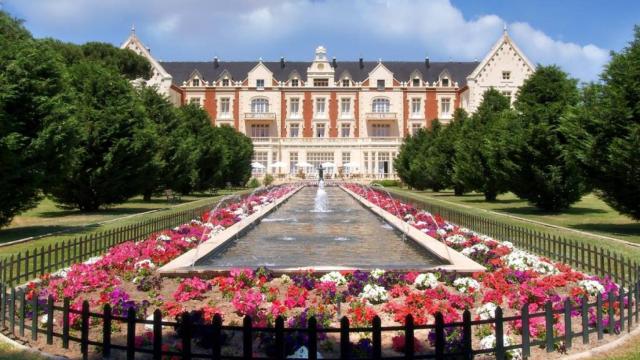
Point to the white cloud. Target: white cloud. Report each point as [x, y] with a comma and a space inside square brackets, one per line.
[400, 29]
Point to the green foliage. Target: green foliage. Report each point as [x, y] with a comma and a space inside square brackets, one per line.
[484, 141]
[237, 157]
[611, 120]
[115, 141]
[549, 175]
[253, 183]
[268, 180]
[387, 183]
[33, 118]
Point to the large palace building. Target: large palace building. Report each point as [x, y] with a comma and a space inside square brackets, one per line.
[352, 114]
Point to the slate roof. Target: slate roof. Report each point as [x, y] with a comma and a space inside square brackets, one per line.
[182, 70]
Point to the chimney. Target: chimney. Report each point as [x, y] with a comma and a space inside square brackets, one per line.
[426, 62]
[334, 63]
[282, 62]
[215, 62]
[361, 64]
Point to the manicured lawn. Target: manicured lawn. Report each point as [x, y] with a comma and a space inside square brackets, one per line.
[47, 218]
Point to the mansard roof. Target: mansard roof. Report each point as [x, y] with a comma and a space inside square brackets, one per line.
[402, 70]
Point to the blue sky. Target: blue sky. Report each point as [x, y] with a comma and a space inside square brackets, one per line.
[577, 35]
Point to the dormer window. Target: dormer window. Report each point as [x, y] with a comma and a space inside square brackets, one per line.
[294, 82]
[346, 83]
[380, 84]
[195, 82]
[320, 82]
[416, 82]
[225, 82]
[445, 82]
[260, 84]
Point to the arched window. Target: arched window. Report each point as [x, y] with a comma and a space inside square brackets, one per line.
[260, 105]
[380, 105]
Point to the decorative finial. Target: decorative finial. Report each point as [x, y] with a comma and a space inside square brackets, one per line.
[260, 59]
[504, 28]
[133, 28]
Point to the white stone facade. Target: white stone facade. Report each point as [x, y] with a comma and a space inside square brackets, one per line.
[344, 113]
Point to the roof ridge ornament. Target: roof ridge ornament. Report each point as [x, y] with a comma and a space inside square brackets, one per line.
[133, 29]
[504, 28]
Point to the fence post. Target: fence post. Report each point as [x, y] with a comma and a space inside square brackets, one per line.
[50, 320]
[186, 335]
[34, 317]
[3, 305]
[84, 336]
[599, 316]
[344, 338]
[629, 309]
[408, 337]
[548, 321]
[65, 323]
[157, 334]
[280, 353]
[500, 353]
[12, 311]
[377, 338]
[131, 334]
[568, 334]
[312, 333]
[526, 337]
[247, 341]
[106, 331]
[611, 314]
[439, 336]
[585, 320]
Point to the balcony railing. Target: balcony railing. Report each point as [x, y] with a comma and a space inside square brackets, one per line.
[381, 116]
[339, 141]
[259, 116]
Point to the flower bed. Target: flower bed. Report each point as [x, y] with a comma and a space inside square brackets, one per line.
[125, 278]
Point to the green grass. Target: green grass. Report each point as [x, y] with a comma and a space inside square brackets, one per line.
[46, 218]
[591, 216]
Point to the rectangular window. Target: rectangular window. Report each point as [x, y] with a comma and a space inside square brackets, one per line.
[194, 100]
[294, 130]
[320, 107]
[506, 75]
[380, 85]
[415, 128]
[345, 130]
[320, 130]
[345, 107]
[415, 107]
[366, 162]
[195, 82]
[262, 158]
[346, 157]
[294, 108]
[225, 82]
[346, 83]
[293, 161]
[294, 82]
[225, 107]
[320, 82]
[260, 84]
[445, 107]
[317, 158]
[416, 82]
[259, 130]
[381, 130]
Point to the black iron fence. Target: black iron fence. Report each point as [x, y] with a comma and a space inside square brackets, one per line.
[21, 316]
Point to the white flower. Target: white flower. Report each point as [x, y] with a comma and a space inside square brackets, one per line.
[489, 342]
[523, 261]
[592, 287]
[45, 318]
[285, 278]
[426, 281]
[196, 222]
[448, 227]
[487, 311]
[209, 225]
[163, 237]
[136, 280]
[334, 277]
[456, 239]
[464, 283]
[239, 211]
[409, 218]
[190, 239]
[144, 263]
[93, 260]
[441, 232]
[481, 248]
[507, 244]
[376, 273]
[149, 326]
[374, 293]
[62, 273]
[485, 238]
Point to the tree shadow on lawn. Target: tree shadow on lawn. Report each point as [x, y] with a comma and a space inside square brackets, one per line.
[106, 211]
[613, 229]
[497, 201]
[531, 210]
[12, 234]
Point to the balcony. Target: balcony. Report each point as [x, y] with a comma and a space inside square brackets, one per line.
[381, 116]
[259, 116]
[392, 141]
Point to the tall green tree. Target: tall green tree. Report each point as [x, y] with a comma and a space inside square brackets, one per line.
[115, 140]
[442, 153]
[480, 161]
[549, 174]
[410, 164]
[612, 121]
[34, 124]
[237, 156]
